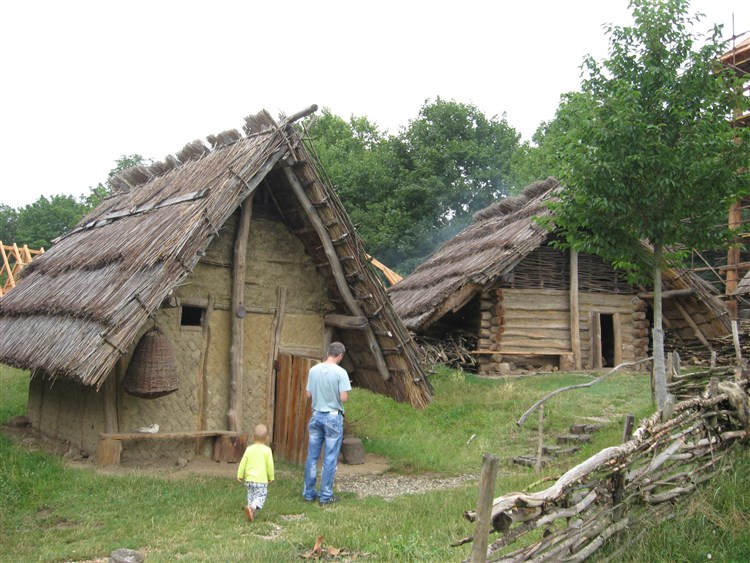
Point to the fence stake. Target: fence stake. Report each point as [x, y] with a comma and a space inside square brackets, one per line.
[540, 443]
[484, 508]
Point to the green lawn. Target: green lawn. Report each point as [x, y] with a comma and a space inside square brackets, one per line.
[51, 512]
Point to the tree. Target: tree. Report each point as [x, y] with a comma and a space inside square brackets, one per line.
[44, 220]
[408, 193]
[97, 194]
[8, 224]
[459, 157]
[647, 153]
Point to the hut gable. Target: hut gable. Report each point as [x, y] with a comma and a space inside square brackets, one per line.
[503, 280]
[500, 236]
[82, 306]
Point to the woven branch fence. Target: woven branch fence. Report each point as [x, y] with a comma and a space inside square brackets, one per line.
[668, 456]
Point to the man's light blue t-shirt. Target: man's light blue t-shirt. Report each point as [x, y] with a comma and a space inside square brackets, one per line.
[325, 381]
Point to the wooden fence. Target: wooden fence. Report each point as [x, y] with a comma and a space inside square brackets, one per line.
[666, 457]
[15, 259]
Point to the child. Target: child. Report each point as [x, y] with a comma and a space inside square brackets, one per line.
[256, 471]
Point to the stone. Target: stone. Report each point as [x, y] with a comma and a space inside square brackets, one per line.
[124, 555]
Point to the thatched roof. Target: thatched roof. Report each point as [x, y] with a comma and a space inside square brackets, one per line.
[79, 307]
[743, 288]
[500, 237]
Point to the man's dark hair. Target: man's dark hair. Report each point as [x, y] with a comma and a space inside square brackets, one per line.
[336, 348]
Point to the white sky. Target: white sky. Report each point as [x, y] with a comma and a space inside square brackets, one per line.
[84, 82]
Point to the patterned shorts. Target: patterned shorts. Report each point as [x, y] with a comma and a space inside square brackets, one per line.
[256, 494]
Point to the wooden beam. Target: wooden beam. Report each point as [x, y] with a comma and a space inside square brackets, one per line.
[202, 377]
[346, 321]
[670, 293]
[336, 268]
[273, 353]
[575, 320]
[110, 399]
[238, 315]
[695, 327]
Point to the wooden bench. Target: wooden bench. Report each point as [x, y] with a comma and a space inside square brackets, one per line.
[228, 445]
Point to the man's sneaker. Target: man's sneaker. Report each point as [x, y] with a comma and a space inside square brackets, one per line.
[310, 499]
[250, 513]
[329, 501]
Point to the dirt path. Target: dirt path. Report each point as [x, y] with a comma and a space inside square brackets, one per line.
[371, 478]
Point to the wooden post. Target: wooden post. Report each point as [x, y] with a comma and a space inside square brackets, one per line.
[273, 354]
[337, 269]
[540, 441]
[575, 321]
[483, 519]
[237, 351]
[736, 340]
[110, 400]
[618, 479]
[200, 423]
[696, 329]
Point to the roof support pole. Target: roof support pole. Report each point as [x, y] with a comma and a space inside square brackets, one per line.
[338, 271]
[693, 325]
[575, 321]
[237, 350]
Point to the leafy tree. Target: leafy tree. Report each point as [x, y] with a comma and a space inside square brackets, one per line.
[408, 193]
[46, 219]
[646, 151]
[97, 194]
[8, 223]
[459, 157]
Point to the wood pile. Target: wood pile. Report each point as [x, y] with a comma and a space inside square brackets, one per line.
[725, 353]
[667, 457]
[453, 350]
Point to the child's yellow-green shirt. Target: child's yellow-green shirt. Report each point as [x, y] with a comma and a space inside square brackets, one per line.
[257, 464]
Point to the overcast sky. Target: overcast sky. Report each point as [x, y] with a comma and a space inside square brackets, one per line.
[86, 82]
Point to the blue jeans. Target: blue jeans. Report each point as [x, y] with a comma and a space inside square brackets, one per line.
[326, 429]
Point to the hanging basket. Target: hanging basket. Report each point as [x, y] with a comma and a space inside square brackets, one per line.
[152, 371]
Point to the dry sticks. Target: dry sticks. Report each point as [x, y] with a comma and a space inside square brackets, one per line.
[597, 499]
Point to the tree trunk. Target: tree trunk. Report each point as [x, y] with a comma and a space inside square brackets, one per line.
[660, 371]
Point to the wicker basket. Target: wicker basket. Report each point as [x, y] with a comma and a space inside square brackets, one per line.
[152, 371]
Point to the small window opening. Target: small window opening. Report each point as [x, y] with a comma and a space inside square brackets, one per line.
[192, 316]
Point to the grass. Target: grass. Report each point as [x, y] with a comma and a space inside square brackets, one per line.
[51, 512]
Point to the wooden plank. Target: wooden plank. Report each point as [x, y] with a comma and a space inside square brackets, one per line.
[555, 337]
[532, 351]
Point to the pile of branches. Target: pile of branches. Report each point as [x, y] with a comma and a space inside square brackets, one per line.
[723, 348]
[668, 456]
[454, 350]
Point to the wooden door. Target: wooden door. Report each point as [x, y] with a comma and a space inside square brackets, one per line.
[292, 410]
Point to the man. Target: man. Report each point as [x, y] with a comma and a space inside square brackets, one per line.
[328, 386]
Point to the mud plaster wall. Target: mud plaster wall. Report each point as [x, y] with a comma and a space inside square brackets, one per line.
[274, 258]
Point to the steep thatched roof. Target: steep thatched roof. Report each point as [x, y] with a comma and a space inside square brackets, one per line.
[743, 288]
[500, 237]
[79, 307]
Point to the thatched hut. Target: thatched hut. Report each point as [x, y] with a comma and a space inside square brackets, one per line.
[533, 305]
[244, 259]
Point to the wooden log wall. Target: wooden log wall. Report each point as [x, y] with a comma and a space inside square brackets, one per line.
[666, 459]
[533, 326]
